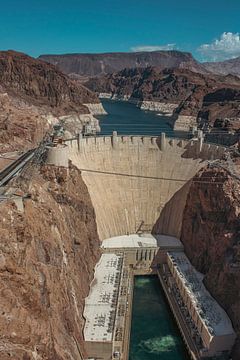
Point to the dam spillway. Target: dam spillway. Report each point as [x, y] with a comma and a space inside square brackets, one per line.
[139, 183]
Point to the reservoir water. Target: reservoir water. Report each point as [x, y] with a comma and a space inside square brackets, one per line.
[128, 119]
[154, 333]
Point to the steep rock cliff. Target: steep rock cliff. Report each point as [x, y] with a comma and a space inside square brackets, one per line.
[210, 234]
[47, 257]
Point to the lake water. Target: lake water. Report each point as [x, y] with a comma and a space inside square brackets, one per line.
[154, 333]
[128, 119]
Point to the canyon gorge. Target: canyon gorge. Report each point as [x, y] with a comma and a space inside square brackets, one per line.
[111, 185]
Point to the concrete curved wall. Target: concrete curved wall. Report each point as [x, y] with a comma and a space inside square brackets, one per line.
[146, 180]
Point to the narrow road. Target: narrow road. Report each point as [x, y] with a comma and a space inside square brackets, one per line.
[11, 170]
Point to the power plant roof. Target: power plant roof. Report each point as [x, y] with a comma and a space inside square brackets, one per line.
[212, 314]
[100, 305]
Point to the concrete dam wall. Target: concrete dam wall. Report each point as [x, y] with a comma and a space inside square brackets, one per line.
[139, 182]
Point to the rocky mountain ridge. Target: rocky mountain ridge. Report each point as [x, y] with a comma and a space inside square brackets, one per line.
[231, 66]
[82, 66]
[42, 84]
[90, 65]
[33, 96]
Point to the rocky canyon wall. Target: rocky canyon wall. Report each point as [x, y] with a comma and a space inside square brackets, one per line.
[210, 234]
[47, 256]
[33, 96]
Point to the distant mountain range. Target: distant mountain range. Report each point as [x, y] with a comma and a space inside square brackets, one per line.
[226, 67]
[89, 65]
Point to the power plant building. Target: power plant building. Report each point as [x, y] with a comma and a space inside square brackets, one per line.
[104, 321]
[208, 322]
[142, 250]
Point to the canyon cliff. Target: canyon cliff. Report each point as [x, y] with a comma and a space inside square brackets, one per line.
[33, 96]
[210, 234]
[47, 255]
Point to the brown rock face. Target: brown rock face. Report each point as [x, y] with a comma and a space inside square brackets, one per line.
[21, 126]
[210, 234]
[82, 65]
[30, 91]
[42, 84]
[47, 256]
[149, 84]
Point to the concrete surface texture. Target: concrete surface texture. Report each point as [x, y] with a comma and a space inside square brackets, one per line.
[139, 183]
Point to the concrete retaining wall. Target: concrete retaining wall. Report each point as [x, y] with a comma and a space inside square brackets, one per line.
[58, 156]
[134, 180]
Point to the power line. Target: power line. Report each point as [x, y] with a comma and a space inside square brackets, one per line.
[158, 178]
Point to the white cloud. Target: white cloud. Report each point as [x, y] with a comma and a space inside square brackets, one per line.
[153, 47]
[227, 47]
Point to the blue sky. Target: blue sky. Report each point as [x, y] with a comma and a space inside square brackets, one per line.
[208, 29]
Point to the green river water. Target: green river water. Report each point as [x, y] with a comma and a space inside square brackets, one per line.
[154, 333]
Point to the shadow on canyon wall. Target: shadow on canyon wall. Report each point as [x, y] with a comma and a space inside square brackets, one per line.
[170, 218]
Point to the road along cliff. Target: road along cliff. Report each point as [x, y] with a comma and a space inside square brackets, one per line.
[48, 252]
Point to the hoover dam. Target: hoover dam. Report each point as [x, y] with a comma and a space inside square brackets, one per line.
[139, 183]
[138, 187]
